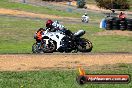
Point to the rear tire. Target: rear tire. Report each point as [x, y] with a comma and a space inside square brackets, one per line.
[109, 24]
[129, 24]
[115, 24]
[86, 46]
[123, 24]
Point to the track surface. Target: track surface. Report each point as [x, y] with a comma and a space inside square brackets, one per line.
[27, 62]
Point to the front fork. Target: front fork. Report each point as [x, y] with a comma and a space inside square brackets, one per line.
[45, 42]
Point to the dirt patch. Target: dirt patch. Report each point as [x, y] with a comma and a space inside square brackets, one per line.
[38, 62]
[114, 32]
[30, 14]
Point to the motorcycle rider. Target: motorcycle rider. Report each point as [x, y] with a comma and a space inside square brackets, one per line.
[85, 18]
[38, 37]
[56, 26]
[122, 16]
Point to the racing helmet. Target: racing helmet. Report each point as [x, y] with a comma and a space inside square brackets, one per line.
[85, 14]
[49, 23]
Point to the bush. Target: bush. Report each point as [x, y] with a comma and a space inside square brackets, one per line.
[81, 3]
[113, 4]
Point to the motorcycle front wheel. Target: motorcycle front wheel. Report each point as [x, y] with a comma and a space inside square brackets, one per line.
[35, 48]
[85, 45]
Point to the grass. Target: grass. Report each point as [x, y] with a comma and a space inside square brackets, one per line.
[46, 10]
[17, 33]
[35, 9]
[17, 36]
[57, 79]
[112, 43]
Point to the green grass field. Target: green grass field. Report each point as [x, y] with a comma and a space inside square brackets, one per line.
[17, 36]
[60, 78]
[45, 10]
[35, 9]
[17, 33]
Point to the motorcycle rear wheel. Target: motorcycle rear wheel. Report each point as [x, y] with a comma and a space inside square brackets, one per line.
[86, 46]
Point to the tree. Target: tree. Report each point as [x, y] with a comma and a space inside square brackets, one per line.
[113, 4]
[24, 1]
[81, 3]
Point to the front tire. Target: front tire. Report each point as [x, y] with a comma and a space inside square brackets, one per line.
[85, 45]
[35, 48]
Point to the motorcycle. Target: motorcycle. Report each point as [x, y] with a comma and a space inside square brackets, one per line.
[63, 41]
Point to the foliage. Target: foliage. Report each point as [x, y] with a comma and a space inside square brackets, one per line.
[81, 3]
[113, 4]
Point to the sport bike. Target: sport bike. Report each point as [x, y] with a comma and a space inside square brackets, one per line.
[63, 41]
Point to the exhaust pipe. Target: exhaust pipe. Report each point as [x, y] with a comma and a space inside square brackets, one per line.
[79, 33]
